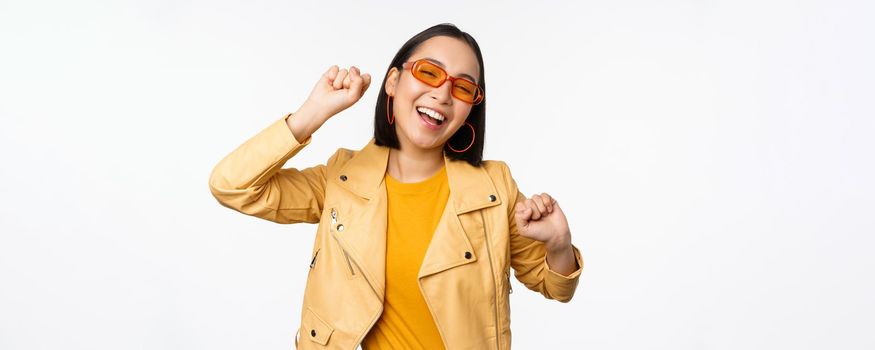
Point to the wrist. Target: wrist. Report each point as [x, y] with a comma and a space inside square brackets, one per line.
[559, 243]
[315, 112]
[304, 122]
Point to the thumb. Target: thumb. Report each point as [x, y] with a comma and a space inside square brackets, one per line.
[556, 206]
[523, 216]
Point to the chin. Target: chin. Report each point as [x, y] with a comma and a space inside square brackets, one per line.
[425, 141]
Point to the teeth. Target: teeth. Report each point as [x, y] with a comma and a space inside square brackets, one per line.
[431, 113]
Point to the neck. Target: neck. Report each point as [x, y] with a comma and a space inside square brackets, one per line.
[412, 164]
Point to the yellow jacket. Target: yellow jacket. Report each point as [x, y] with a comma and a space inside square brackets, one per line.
[465, 274]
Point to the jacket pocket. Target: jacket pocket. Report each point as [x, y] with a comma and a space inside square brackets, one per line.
[315, 328]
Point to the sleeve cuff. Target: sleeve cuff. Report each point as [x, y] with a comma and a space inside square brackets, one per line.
[285, 124]
[273, 147]
[560, 278]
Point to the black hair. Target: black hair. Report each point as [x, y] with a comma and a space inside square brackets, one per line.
[384, 133]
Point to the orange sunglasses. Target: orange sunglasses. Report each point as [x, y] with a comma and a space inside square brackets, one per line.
[435, 76]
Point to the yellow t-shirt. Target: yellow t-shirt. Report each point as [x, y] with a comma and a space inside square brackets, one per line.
[414, 210]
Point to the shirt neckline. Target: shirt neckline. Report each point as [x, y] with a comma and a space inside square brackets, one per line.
[425, 185]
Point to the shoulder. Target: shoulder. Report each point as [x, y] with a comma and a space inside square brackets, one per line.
[495, 168]
[337, 161]
[500, 174]
[368, 154]
[340, 157]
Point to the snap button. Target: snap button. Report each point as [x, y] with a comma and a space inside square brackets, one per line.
[339, 227]
[342, 177]
[312, 332]
[492, 198]
[467, 255]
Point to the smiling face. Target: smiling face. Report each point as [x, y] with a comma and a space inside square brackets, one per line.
[418, 107]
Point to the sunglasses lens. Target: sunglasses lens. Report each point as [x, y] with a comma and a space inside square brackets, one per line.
[429, 74]
[465, 90]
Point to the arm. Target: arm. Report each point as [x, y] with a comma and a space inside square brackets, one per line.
[537, 264]
[251, 180]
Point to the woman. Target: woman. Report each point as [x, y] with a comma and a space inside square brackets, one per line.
[416, 232]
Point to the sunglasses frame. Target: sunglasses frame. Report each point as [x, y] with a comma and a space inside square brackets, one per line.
[412, 65]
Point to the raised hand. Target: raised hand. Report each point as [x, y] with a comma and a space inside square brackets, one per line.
[338, 89]
[540, 218]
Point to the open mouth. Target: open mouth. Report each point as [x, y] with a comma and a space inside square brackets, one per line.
[431, 116]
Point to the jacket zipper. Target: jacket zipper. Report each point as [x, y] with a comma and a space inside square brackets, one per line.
[494, 289]
[380, 310]
[349, 263]
[313, 262]
[333, 234]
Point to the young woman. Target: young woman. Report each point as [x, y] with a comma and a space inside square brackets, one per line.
[416, 232]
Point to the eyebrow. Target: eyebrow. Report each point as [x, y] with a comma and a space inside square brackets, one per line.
[463, 75]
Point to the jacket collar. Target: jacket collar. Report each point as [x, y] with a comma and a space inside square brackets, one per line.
[471, 188]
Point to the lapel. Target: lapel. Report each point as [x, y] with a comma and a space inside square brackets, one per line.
[365, 236]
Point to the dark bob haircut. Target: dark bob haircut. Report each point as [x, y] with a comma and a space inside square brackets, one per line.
[384, 133]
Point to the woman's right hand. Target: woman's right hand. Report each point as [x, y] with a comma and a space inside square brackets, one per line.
[336, 90]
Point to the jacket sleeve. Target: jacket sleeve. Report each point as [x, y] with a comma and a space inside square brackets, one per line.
[251, 180]
[528, 258]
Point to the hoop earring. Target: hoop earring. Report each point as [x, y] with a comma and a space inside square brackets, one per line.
[473, 134]
[390, 118]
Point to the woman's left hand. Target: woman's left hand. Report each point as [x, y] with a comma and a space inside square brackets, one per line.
[540, 218]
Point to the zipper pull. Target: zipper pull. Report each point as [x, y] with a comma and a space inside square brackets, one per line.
[313, 262]
[509, 287]
[333, 217]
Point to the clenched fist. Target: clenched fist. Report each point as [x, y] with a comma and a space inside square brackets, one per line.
[540, 218]
[338, 89]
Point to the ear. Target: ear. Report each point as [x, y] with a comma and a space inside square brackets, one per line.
[392, 81]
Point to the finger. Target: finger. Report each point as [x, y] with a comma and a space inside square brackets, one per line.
[338, 80]
[367, 79]
[347, 81]
[356, 82]
[548, 202]
[536, 214]
[331, 73]
[539, 202]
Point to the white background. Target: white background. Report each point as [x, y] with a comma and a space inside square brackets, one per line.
[715, 159]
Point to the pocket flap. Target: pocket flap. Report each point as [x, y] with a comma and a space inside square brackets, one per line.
[316, 328]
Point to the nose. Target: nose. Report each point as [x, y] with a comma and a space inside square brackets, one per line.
[443, 94]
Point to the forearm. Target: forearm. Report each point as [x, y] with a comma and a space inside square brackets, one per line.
[305, 121]
[560, 255]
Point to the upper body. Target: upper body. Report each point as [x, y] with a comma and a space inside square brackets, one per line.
[465, 273]
[485, 226]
